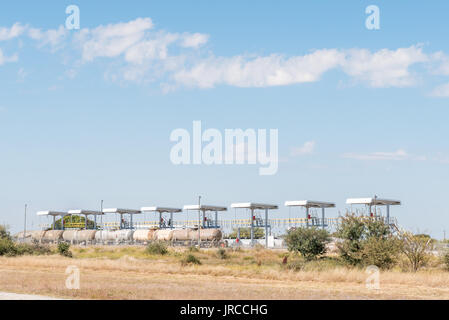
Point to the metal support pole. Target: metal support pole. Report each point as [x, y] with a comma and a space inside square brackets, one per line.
[171, 220]
[307, 217]
[199, 221]
[322, 217]
[252, 227]
[160, 220]
[85, 222]
[54, 222]
[216, 219]
[131, 221]
[266, 228]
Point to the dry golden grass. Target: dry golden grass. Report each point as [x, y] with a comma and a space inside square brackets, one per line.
[130, 273]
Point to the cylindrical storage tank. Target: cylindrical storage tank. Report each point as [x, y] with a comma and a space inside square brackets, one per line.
[151, 234]
[163, 235]
[69, 235]
[181, 234]
[207, 235]
[104, 235]
[123, 235]
[53, 235]
[141, 235]
[85, 235]
[37, 235]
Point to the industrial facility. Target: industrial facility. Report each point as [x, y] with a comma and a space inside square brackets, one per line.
[208, 225]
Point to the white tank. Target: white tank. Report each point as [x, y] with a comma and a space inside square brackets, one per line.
[105, 235]
[163, 235]
[85, 235]
[123, 235]
[69, 235]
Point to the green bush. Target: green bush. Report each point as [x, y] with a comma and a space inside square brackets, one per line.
[380, 252]
[7, 247]
[157, 248]
[309, 242]
[190, 259]
[64, 249]
[4, 234]
[367, 242]
[222, 254]
[446, 260]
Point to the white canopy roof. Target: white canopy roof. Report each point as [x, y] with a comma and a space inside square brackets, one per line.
[160, 209]
[52, 213]
[310, 204]
[251, 205]
[86, 212]
[374, 201]
[205, 208]
[121, 211]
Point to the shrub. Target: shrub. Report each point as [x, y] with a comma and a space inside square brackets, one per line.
[380, 252]
[295, 265]
[446, 260]
[7, 247]
[190, 259]
[222, 254]
[416, 248]
[64, 249]
[157, 248]
[309, 242]
[193, 249]
[4, 234]
[367, 242]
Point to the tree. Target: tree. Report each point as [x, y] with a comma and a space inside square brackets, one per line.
[309, 242]
[367, 241]
[416, 248]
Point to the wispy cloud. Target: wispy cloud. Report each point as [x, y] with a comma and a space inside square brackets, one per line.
[307, 148]
[373, 156]
[140, 53]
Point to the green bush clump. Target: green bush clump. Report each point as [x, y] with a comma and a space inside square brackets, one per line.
[367, 242]
[157, 248]
[309, 242]
[64, 249]
[222, 254]
[190, 259]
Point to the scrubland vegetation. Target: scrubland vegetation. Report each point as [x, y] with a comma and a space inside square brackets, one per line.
[316, 265]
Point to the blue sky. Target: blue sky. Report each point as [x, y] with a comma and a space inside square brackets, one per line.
[87, 114]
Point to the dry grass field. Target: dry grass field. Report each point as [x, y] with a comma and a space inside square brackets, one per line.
[131, 273]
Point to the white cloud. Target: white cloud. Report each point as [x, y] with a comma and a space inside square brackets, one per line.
[273, 70]
[10, 33]
[112, 40]
[307, 148]
[140, 54]
[194, 40]
[52, 37]
[441, 91]
[4, 59]
[395, 156]
[384, 68]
